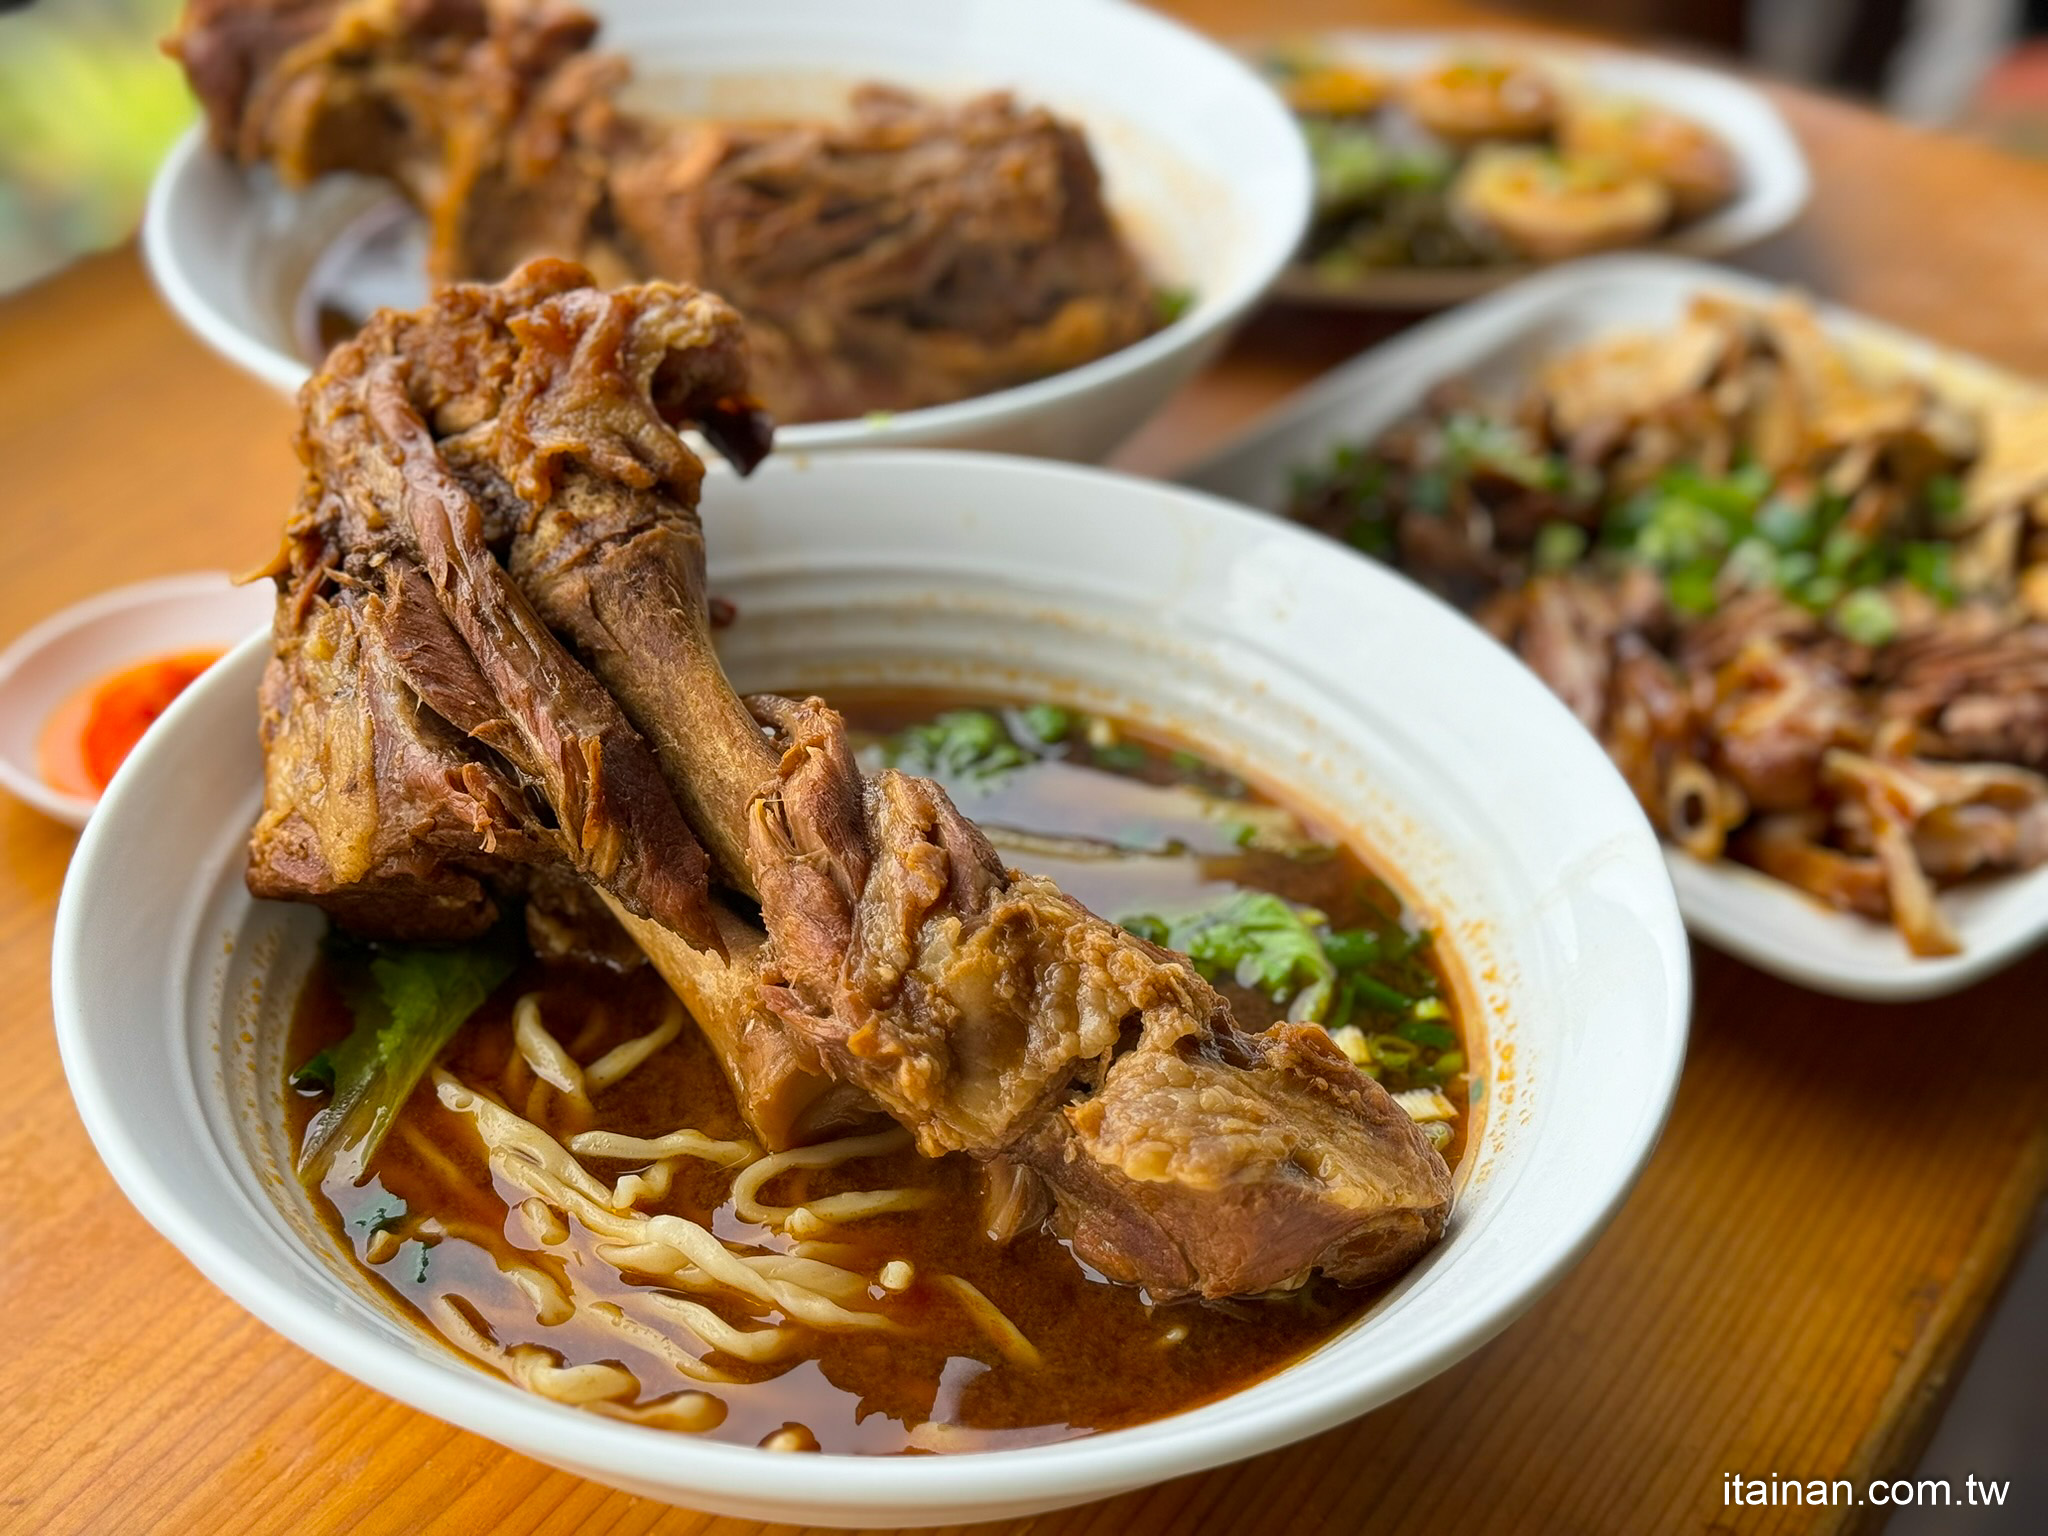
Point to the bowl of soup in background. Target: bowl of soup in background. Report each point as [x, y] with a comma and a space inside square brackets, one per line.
[1202, 165]
[1399, 722]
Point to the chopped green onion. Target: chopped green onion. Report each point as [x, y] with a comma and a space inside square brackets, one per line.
[1930, 566]
[1752, 564]
[1821, 592]
[1691, 588]
[1427, 1033]
[1394, 1053]
[1559, 546]
[1352, 947]
[964, 747]
[1121, 757]
[1841, 549]
[316, 1075]
[1377, 995]
[1786, 523]
[1944, 497]
[1048, 722]
[1147, 926]
[1867, 617]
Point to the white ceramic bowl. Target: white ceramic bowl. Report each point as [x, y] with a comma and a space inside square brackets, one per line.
[1774, 179]
[1201, 161]
[1289, 658]
[77, 647]
[1496, 342]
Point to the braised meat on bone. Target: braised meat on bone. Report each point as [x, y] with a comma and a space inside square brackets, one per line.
[493, 653]
[911, 255]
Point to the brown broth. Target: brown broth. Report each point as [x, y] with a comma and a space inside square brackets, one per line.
[1110, 1357]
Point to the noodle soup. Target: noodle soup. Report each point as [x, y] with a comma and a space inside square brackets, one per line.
[571, 1196]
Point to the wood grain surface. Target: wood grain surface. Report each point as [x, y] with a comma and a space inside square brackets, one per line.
[1797, 1277]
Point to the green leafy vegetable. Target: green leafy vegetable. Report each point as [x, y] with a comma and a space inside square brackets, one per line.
[1352, 165]
[1261, 941]
[1930, 566]
[1559, 546]
[315, 1075]
[1048, 722]
[1692, 587]
[1944, 497]
[1170, 302]
[408, 1000]
[1332, 978]
[1120, 757]
[1475, 442]
[1147, 926]
[1867, 617]
[962, 746]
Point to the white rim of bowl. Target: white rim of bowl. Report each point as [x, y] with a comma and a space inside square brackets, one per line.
[1095, 1465]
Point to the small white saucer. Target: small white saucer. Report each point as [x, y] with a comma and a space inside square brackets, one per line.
[73, 649]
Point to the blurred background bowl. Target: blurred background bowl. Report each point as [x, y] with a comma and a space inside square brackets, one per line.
[1202, 163]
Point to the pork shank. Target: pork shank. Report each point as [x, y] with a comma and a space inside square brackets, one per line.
[498, 501]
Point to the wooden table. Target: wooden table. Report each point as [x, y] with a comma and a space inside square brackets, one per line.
[1790, 1291]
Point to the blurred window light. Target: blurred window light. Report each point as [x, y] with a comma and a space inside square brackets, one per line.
[88, 106]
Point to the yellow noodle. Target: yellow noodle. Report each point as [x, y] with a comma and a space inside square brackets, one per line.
[542, 1221]
[615, 1063]
[549, 1058]
[840, 1255]
[527, 1157]
[539, 1372]
[750, 1344]
[1007, 1337]
[460, 1329]
[634, 1149]
[747, 1187]
[551, 1304]
[490, 1239]
[650, 1338]
[594, 1022]
[830, 1210]
[503, 1130]
[648, 1184]
[513, 1078]
[826, 1279]
[690, 1412]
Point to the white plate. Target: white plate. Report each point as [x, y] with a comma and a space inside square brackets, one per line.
[1200, 159]
[1497, 341]
[1775, 181]
[961, 570]
[77, 647]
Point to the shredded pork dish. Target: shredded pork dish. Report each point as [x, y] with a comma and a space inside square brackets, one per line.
[1800, 596]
